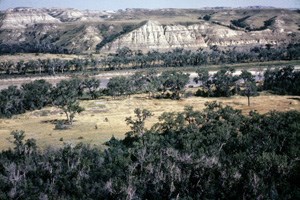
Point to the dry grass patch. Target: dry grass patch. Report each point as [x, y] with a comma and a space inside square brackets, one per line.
[105, 117]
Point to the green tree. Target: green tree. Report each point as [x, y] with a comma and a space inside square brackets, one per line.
[65, 96]
[92, 85]
[204, 78]
[119, 85]
[282, 80]
[23, 148]
[138, 125]
[137, 81]
[224, 82]
[11, 101]
[250, 88]
[37, 94]
[174, 81]
[153, 82]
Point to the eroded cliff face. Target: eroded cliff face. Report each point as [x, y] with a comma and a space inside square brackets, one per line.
[22, 18]
[154, 35]
[82, 30]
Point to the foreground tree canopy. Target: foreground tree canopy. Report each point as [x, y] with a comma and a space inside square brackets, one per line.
[217, 153]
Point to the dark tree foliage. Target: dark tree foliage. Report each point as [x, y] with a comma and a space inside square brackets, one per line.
[118, 86]
[65, 96]
[217, 153]
[248, 84]
[221, 84]
[174, 81]
[282, 81]
[206, 17]
[37, 94]
[240, 22]
[224, 82]
[11, 101]
[137, 125]
[92, 85]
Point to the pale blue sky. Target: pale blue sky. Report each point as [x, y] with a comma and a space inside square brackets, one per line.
[121, 4]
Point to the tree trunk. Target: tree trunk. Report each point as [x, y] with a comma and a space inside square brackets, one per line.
[68, 117]
[248, 100]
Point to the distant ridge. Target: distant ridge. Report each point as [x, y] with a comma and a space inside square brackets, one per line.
[59, 30]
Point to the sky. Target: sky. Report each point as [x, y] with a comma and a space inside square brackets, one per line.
[152, 4]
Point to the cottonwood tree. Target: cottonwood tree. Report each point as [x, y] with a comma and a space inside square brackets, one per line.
[118, 86]
[282, 80]
[224, 82]
[92, 85]
[250, 88]
[153, 82]
[215, 153]
[65, 96]
[11, 101]
[137, 82]
[37, 94]
[174, 81]
[137, 125]
[204, 78]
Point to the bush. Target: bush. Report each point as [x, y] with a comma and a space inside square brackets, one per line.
[201, 93]
[188, 94]
[60, 125]
[206, 17]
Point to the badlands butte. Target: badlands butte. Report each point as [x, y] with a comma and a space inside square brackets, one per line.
[73, 31]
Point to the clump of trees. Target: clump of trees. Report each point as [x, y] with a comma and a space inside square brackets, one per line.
[29, 96]
[39, 93]
[65, 96]
[241, 23]
[11, 102]
[217, 153]
[174, 81]
[47, 66]
[282, 80]
[151, 82]
[224, 83]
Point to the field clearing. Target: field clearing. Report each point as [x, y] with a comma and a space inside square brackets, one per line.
[91, 127]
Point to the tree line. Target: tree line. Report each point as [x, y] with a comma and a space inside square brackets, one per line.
[47, 66]
[125, 58]
[67, 93]
[217, 153]
[282, 80]
[169, 84]
[39, 93]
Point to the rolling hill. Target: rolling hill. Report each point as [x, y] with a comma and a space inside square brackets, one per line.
[74, 31]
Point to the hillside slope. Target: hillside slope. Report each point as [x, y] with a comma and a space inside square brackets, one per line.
[74, 31]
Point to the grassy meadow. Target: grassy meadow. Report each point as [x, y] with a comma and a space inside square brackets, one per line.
[92, 127]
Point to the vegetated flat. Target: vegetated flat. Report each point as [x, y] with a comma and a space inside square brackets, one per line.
[92, 127]
[104, 76]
